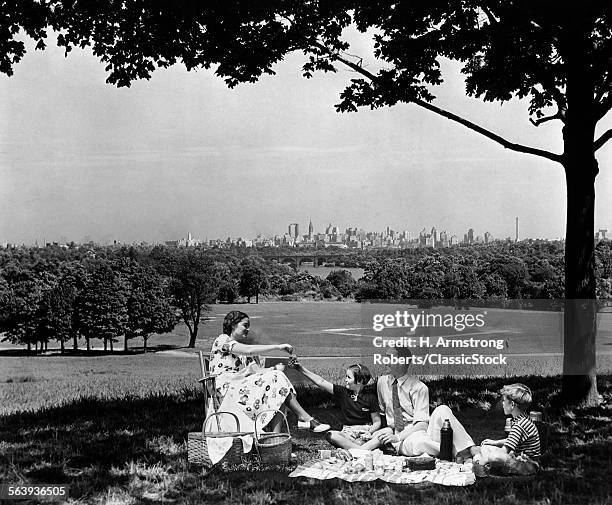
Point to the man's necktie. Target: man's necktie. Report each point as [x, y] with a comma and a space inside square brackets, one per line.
[398, 419]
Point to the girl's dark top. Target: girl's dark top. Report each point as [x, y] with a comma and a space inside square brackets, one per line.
[356, 411]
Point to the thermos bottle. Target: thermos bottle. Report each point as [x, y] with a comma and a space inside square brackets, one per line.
[543, 429]
[446, 441]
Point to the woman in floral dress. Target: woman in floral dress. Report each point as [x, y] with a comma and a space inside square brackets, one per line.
[246, 387]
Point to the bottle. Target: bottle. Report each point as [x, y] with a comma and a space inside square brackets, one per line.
[446, 441]
[369, 462]
[543, 429]
[507, 427]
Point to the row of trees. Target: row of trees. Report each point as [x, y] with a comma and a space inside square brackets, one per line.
[100, 299]
[111, 294]
[53, 294]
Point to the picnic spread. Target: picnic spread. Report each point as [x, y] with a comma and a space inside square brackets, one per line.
[388, 468]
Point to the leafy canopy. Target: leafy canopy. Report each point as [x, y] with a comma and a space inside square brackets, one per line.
[509, 48]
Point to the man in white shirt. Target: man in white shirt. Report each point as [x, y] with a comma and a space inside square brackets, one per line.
[410, 430]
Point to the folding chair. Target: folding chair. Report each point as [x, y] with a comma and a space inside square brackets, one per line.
[208, 381]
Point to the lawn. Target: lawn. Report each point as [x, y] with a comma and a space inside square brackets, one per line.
[114, 426]
[132, 450]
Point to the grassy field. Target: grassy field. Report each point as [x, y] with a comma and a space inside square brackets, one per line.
[132, 450]
[114, 426]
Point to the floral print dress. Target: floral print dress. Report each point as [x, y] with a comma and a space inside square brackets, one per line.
[266, 389]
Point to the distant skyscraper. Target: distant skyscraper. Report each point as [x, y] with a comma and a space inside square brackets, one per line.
[517, 231]
[310, 229]
[470, 236]
[294, 230]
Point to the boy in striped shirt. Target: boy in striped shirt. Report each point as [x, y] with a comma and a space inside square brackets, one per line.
[517, 454]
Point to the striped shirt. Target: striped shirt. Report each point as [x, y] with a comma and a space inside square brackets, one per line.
[524, 437]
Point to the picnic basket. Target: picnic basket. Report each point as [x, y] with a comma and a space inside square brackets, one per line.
[197, 450]
[273, 448]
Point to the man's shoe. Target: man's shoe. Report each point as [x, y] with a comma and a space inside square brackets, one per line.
[313, 425]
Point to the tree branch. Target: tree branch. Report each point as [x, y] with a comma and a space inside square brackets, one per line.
[604, 106]
[538, 122]
[602, 140]
[453, 117]
[492, 19]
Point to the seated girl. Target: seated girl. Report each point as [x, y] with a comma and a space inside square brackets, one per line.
[248, 389]
[358, 403]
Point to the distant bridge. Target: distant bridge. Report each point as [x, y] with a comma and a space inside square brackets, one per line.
[315, 256]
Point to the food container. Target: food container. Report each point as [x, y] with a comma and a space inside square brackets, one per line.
[379, 467]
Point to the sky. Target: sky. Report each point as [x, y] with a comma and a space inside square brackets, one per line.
[181, 153]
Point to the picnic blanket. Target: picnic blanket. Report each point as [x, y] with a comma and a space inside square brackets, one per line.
[446, 474]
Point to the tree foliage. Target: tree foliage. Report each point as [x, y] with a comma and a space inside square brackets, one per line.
[557, 55]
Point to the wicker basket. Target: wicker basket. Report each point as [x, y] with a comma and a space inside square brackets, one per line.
[197, 451]
[273, 448]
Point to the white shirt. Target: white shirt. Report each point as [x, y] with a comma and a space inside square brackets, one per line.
[413, 398]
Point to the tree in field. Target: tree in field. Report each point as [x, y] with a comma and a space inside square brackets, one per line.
[24, 293]
[343, 281]
[556, 54]
[149, 304]
[253, 280]
[103, 307]
[54, 314]
[386, 280]
[194, 285]
[6, 296]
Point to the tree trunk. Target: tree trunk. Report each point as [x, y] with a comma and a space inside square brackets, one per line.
[192, 336]
[145, 343]
[62, 347]
[111, 344]
[88, 344]
[46, 345]
[29, 347]
[105, 344]
[125, 343]
[579, 385]
[75, 342]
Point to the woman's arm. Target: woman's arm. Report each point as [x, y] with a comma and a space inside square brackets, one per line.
[257, 349]
[317, 379]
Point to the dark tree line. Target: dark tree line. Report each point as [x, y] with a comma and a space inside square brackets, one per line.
[122, 294]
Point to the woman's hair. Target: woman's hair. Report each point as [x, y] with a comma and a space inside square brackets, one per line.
[519, 394]
[361, 373]
[231, 320]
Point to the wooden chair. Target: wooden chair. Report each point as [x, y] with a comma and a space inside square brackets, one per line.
[208, 381]
[211, 396]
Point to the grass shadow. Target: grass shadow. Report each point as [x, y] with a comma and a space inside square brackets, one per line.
[133, 450]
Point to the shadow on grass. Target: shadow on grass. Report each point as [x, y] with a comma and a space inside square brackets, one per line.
[133, 450]
[18, 352]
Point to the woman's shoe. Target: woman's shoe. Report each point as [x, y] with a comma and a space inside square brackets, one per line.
[313, 425]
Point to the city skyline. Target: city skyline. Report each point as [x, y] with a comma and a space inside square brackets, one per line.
[183, 153]
[475, 236]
